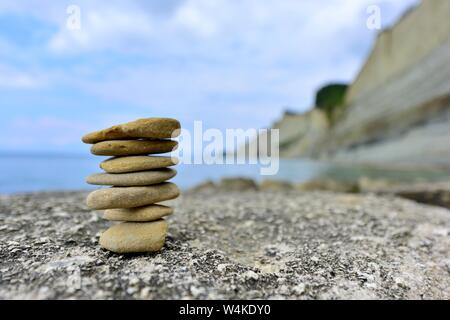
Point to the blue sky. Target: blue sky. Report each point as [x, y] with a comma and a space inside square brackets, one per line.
[229, 63]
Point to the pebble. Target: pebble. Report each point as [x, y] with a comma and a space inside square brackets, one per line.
[133, 237]
[150, 128]
[144, 178]
[136, 163]
[133, 147]
[131, 197]
[148, 213]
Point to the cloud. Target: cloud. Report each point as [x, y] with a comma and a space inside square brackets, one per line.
[231, 63]
[103, 28]
[11, 78]
[197, 26]
[43, 132]
[211, 56]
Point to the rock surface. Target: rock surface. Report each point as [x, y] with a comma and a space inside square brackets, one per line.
[150, 128]
[136, 163]
[132, 147]
[397, 111]
[275, 185]
[299, 135]
[236, 184]
[148, 213]
[144, 178]
[231, 245]
[133, 237]
[326, 184]
[437, 193]
[131, 197]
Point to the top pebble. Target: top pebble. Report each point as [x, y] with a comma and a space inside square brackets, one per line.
[149, 128]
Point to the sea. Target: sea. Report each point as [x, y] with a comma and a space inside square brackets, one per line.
[32, 173]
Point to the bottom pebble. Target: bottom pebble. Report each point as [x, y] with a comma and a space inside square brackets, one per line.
[134, 237]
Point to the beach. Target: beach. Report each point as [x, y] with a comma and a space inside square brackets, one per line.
[244, 244]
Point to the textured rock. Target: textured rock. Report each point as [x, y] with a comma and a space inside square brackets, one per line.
[144, 178]
[231, 245]
[132, 147]
[397, 111]
[207, 186]
[142, 214]
[134, 237]
[404, 120]
[299, 134]
[275, 185]
[366, 184]
[136, 163]
[131, 197]
[327, 184]
[150, 128]
[437, 193]
[236, 184]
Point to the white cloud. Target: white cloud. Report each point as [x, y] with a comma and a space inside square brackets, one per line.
[268, 53]
[104, 27]
[11, 78]
[193, 17]
[46, 131]
[196, 26]
[229, 61]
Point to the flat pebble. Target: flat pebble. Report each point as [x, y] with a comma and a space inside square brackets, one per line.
[144, 178]
[147, 213]
[136, 163]
[133, 147]
[131, 197]
[134, 237]
[149, 128]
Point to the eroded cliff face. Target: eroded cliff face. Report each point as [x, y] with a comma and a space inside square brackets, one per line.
[415, 101]
[299, 136]
[398, 108]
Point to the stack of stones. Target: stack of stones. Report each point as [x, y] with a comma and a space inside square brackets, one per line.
[137, 182]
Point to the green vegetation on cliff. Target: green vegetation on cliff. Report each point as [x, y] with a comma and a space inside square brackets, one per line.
[330, 98]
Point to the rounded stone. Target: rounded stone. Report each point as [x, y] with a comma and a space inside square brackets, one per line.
[144, 178]
[133, 147]
[149, 128]
[142, 214]
[131, 197]
[134, 237]
[136, 163]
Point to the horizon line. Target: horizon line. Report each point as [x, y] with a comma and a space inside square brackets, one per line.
[42, 154]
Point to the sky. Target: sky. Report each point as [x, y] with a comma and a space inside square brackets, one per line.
[228, 63]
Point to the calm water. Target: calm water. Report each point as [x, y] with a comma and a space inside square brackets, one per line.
[49, 173]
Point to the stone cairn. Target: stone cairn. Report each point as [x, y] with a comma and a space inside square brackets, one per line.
[137, 182]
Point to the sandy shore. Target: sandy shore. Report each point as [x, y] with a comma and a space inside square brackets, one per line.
[276, 245]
